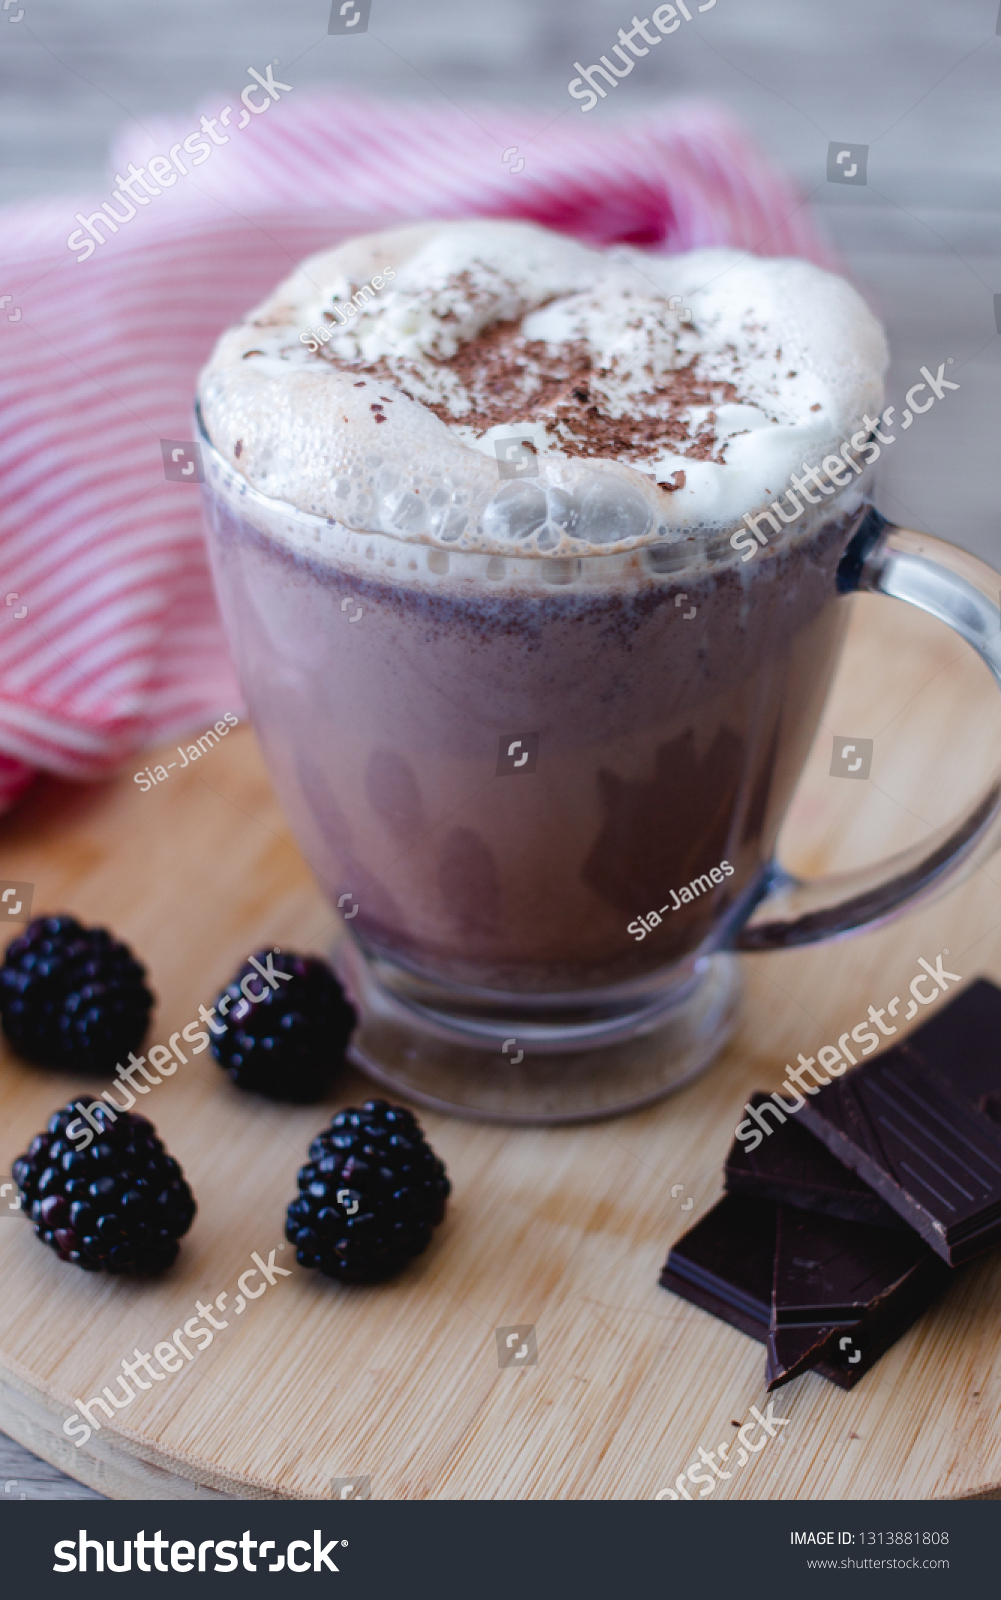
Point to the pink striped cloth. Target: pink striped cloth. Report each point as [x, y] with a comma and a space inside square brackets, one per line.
[109, 635]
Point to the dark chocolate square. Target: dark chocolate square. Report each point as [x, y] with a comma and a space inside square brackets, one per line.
[917, 1123]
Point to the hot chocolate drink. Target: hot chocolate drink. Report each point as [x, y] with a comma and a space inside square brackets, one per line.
[484, 506]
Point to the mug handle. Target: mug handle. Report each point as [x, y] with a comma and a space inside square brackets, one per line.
[963, 592]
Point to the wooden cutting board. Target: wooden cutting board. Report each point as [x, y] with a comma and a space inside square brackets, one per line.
[564, 1229]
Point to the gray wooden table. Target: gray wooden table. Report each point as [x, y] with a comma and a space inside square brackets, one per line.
[916, 81]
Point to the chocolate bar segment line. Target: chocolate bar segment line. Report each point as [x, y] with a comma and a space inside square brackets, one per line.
[907, 1092]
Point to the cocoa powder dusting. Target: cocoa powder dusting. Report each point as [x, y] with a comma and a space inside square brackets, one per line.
[507, 376]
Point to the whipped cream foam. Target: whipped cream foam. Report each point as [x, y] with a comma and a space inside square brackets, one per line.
[663, 396]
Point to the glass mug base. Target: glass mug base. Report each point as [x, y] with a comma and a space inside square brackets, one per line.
[558, 1060]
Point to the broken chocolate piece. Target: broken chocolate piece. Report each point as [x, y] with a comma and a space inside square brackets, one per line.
[726, 1265]
[916, 1124]
[843, 1292]
[793, 1168]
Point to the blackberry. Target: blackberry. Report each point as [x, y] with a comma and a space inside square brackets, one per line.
[289, 1041]
[369, 1195]
[72, 996]
[116, 1204]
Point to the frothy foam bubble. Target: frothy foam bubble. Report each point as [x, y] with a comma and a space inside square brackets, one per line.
[600, 365]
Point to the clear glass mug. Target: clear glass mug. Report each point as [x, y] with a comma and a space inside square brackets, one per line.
[544, 794]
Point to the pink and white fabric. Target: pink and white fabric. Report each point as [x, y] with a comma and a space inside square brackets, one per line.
[109, 635]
